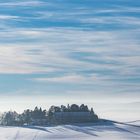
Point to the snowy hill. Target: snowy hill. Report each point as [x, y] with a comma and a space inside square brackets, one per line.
[98, 131]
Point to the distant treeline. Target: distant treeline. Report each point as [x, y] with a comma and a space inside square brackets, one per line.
[55, 115]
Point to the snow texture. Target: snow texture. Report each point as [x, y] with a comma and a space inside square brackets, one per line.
[98, 131]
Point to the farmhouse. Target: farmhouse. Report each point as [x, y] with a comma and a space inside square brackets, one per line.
[74, 117]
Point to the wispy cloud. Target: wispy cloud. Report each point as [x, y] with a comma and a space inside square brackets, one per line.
[78, 50]
[6, 17]
[22, 3]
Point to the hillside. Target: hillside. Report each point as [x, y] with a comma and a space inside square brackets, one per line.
[98, 131]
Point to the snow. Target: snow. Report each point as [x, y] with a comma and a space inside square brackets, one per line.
[137, 122]
[98, 131]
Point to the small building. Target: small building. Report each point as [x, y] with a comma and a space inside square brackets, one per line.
[73, 117]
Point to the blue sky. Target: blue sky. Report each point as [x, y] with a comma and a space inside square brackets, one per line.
[66, 51]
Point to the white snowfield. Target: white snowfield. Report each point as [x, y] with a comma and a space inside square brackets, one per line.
[100, 131]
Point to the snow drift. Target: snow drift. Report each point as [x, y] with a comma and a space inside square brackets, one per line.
[98, 131]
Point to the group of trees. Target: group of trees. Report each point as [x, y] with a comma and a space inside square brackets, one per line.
[38, 116]
[72, 108]
[29, 117]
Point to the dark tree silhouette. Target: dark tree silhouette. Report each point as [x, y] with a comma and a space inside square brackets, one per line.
[55, 114]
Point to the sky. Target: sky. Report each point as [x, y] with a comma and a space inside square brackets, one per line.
[71, 51]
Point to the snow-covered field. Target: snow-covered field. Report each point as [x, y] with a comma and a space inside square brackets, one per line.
[100, 131]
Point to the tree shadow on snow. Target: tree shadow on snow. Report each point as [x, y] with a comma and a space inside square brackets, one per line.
[106, 125]
[80, 129]
[37, 128]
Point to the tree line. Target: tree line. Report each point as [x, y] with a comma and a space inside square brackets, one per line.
[39, 116]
